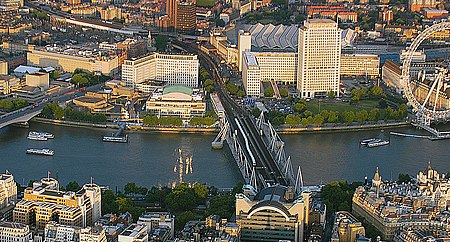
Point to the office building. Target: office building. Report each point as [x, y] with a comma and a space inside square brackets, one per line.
[186, 17]
[69, 59]
[251, 75]
[8, 190]
[173, 69]
[273, 214]
[134, 233]
[9, 84]
[258, 67]
[171, 11]
[244, 44]
[177, 100]
[319, 48]
[360, 65]
[44, 202]
[14, 232]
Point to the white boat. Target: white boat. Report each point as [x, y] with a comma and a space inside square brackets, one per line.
[41, 152]
[45, 134]
[118, 139]
[37, 137]
[377, 143]
[367, 141]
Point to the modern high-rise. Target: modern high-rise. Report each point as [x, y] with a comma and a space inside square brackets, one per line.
[244, 44]
[275, 213]
[8, 190]
[44, 202]
[186, 17]
[173, 69]
[182, 15]
[319, 51]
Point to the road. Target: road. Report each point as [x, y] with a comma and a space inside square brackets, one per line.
[8, 117]
[266, 168]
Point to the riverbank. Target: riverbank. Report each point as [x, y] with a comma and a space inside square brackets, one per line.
[191, 130]
[350, 128]
[129, 128]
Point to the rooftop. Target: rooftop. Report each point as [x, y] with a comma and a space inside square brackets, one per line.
[177, 88]
[271, 36]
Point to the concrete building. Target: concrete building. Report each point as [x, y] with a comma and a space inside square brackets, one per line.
[259, 67]
[347, 228]
[44, 202]
[360, 65]
[244, 44]
[14, 232]
[319, 48]
[158, 220]
[111, 12]
[273, 214]
[9, 84]
[8, 190]
[173, 69]
[177, 100]
[134, 233]
[70, 59]
[186, 17]
[38, 79]
[93, 234]
[3, 68]
[251, 75]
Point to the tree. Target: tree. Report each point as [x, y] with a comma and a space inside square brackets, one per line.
[403, 178]
[256, 112]
[331, 94]
[284, 92]
[318, 119]
[73, 186]
[361, 116]
[223, 206]
[333, 117]
[109, 204]
[268, 92]
[349, 116]
[201, 191]
[374, 114]
[338, 196]
[161, 42]
[231, 88]
[299, 107]
[183, 218]
[376, 91]
[307, 113]
[220, 23]
[382, 103]
[130, 187]
[241, 93]
[208, 82]
[292, 120]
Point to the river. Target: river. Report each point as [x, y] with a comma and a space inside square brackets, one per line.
[153, 158]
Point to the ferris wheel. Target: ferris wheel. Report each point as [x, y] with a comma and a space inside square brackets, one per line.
[426, 109]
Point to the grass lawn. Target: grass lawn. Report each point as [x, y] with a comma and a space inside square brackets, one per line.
[206, 3]
[341, 107]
